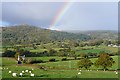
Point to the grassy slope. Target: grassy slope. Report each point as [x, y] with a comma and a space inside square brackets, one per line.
[67, 70]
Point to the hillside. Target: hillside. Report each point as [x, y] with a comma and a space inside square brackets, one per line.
[26, 34]
[99, 34]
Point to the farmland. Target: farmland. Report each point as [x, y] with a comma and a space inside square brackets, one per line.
[60, 69]
[58, 55]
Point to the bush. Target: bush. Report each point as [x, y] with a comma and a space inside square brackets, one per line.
[52, 60]
[9, 53]
[85, 63]
[64, 59]
[36, 61]
[52, 52]
[111, 54]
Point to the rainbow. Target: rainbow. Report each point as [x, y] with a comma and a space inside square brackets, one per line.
[60, 14]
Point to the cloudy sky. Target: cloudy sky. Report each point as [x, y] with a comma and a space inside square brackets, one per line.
[55, 15]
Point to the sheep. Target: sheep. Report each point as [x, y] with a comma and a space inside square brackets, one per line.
[22, 71]
[21, 74]
[29, 71]
[32, 75]
[26, 70]
[79, 73]
[116, 73]
[10, 71]
[14, 74]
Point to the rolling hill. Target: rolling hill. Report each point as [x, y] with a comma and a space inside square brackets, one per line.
[27, 34]
[99, 34]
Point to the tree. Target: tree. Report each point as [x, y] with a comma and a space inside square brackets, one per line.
[84, 63]
[72, 54]
[52, 52]
[104, 61]
[34, 46]
[9, 53]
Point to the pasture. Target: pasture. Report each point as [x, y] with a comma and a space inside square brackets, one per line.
[58, 69]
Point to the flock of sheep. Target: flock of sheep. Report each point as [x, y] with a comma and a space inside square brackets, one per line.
[14, 74]
[21, 73]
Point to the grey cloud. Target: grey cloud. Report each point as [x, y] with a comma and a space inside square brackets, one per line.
[83, 16]
[28, 12]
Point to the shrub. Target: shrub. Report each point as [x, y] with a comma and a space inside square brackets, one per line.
[52, 52]
[36, 61]
[52, 60]
[9, 53]
[64, 59]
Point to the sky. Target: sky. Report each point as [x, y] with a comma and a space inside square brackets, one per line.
[62, 15]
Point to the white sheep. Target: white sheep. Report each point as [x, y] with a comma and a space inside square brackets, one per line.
[14, 74]
[22, 71]
[29, 71]
[79, 73]
[32, 75]
[10, 71]
[116, 73]
[26, 70]
[21, 74]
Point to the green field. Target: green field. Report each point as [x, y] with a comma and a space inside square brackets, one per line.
[91, 51]
[59, 69]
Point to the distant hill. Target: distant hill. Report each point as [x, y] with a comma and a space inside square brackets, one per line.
[99, 34]
[27, 34]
